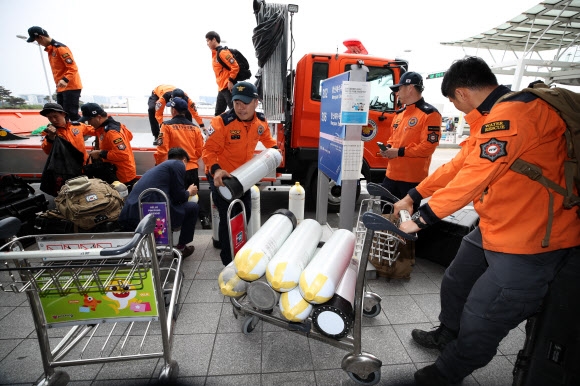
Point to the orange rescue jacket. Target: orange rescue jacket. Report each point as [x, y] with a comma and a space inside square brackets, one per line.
[513, 209]
[179, 132]
[163, 92]
[74, 132]
[115, 145]
[222, 74]
[63, 66]
[231, 142]
[416, 133]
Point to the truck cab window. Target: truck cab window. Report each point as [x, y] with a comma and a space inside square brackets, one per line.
[319, 73]
[380, 79]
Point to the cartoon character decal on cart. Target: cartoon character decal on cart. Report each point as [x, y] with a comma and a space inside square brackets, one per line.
[120, 293]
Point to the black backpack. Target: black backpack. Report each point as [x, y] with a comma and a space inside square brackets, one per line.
[244, 72]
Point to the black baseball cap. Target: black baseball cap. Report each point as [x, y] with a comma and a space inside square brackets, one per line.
[48, 107]
[407, 79]
[91, 110]
[244, 91]
[178, 104]
[34, 32]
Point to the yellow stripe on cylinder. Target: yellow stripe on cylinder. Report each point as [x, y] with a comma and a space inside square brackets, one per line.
[320, 278]
[230, 283]
[283, 271]
[293, 307]
[252, 259]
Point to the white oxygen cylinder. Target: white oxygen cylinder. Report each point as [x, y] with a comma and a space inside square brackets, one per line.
[335, 317]
[283, 271]
[249, 174]
[293, 306]
[252, 259]
[215, 221]
[255, 220]
[296, 199]
[321, 276]
[230, 283]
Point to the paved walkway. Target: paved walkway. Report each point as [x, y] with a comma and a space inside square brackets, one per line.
[211, 349]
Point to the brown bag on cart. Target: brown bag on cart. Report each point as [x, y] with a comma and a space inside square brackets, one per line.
[398, 269]
[88, 202]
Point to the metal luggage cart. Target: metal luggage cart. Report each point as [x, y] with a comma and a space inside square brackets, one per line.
[107, 287]
[362, 367]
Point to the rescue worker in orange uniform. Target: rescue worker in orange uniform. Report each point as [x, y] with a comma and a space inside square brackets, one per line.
[415, 135]
[181, 132]
[503, 267]
[67, 158]
[232, 139]
[157, 102]
[64, 71]
[224, 77]
[114, 143]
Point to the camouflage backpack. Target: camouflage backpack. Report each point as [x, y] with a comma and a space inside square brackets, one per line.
[88, 202]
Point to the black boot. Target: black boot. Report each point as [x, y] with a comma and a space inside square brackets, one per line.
[430, 376]
[437, 338]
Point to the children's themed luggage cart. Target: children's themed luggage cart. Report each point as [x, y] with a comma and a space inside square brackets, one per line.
[107, 287]
[362, 367]
[387, 241]
[170, 258]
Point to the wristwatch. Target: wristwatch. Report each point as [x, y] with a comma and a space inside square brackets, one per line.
[416, 217]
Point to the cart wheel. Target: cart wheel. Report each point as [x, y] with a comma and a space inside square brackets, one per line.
[372, 379]
[374, 311]
[169, 373]
[249, 324]
[59, 378]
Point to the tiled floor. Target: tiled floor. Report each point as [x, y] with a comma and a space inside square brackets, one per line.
[211, 349]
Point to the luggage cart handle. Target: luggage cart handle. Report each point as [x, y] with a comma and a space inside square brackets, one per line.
[377, 222]
[146, 226]
[379, 190]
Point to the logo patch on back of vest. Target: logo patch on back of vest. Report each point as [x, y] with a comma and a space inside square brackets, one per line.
[495, 126]
[493, 149]
[91, 197]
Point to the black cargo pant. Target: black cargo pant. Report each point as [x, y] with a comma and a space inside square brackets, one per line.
[484, 295]
[222, 207]
[69, 100]
[155, 126]
[223, 101]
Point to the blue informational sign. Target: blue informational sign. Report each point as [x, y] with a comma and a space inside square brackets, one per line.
[332, 133]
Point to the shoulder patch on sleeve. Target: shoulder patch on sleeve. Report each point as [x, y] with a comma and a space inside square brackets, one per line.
[432, 137]
[117, 140]
[210, 130]
[495, 126]
[433, 128]
[493, 149]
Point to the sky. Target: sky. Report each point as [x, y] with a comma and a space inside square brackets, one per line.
[128, 47]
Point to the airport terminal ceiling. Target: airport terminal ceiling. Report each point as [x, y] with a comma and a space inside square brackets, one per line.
[544, 40]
